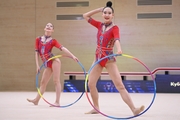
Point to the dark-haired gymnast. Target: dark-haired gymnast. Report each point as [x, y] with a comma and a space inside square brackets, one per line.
[107, 37]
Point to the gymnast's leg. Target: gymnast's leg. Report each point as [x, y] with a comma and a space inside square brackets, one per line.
[56, 67]
[44, 81]
[93, 78]
[116, 77]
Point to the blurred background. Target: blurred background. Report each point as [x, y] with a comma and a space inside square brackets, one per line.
[149, 31]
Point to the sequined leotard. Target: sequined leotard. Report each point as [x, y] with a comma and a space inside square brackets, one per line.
[44, 46]
[105, 41]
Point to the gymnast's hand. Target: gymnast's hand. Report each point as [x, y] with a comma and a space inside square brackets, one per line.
[119, 52]
[118, 47]
[75, 58]
[37, 69]
[101, 9]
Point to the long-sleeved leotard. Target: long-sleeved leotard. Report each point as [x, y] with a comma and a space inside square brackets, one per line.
[105, 41]
[43, 46]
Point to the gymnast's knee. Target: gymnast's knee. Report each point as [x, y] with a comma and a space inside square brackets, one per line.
[56, 81]
[43, 83]
[91, 85]
[120, 87]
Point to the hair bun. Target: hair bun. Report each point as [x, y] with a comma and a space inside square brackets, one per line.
[109, 4]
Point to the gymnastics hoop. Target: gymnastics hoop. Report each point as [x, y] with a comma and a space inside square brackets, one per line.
[128, 56]
[58, 56]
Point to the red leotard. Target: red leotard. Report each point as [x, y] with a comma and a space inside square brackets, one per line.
[105, 41]
[44, 46]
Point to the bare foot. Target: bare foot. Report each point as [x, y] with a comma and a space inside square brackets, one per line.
[33, 101]
[138, 110]
[55, 105]
[92, 112]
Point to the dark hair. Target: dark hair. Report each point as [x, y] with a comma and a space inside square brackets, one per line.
[109, 4]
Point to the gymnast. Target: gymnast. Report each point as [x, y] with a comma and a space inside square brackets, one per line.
[107, 37]
[43, 48]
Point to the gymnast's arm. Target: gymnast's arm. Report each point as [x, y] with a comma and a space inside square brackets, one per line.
[37, 61]
[87, 15]
[118, 46]
[65, 50]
